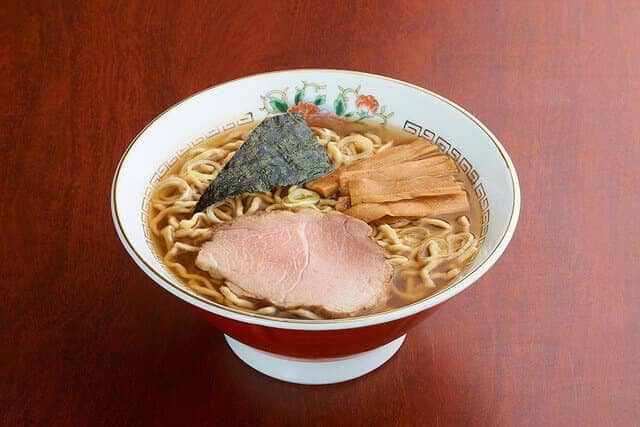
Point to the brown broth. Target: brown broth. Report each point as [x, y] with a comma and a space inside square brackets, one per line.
[342, 128]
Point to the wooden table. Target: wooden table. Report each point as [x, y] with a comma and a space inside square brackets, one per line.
[550, 336]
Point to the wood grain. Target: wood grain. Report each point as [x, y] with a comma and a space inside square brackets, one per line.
[548, 337]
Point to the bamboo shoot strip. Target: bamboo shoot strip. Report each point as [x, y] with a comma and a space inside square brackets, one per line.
[415, 208]
[431, 166]
[419, 148]
[371, 191]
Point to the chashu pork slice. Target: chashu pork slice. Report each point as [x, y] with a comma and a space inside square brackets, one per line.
[326, 261]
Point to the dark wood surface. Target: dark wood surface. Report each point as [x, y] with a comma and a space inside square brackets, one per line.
[550, 336]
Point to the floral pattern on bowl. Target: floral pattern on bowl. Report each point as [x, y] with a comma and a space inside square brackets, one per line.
[310, 99]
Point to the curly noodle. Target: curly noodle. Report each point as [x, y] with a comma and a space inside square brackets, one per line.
[425, 253]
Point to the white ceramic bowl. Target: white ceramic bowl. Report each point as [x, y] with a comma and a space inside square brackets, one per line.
[304, 351]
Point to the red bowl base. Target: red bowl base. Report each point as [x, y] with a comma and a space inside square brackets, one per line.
[316, 344]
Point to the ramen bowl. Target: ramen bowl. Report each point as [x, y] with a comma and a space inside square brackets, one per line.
[316, 351]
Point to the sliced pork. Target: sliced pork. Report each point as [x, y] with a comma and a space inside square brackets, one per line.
[325, 261]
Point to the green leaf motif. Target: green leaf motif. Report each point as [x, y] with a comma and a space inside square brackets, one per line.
[278, 104]
[299, 96]
[339, 106]
[320, 99]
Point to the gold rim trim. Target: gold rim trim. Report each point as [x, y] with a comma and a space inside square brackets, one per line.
[223, 308]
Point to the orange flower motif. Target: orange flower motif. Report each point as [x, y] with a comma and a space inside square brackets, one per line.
[305, 109]
[367, 103]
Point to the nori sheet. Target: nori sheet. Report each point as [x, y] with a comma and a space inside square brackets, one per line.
[281, 150]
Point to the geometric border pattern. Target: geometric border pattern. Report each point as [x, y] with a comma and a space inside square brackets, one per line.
[465, 166]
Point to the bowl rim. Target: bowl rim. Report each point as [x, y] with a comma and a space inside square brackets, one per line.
[324, 324]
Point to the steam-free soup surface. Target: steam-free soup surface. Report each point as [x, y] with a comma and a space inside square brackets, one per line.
[427, 253]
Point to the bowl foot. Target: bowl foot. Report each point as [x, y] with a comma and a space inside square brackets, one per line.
[309, 371]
